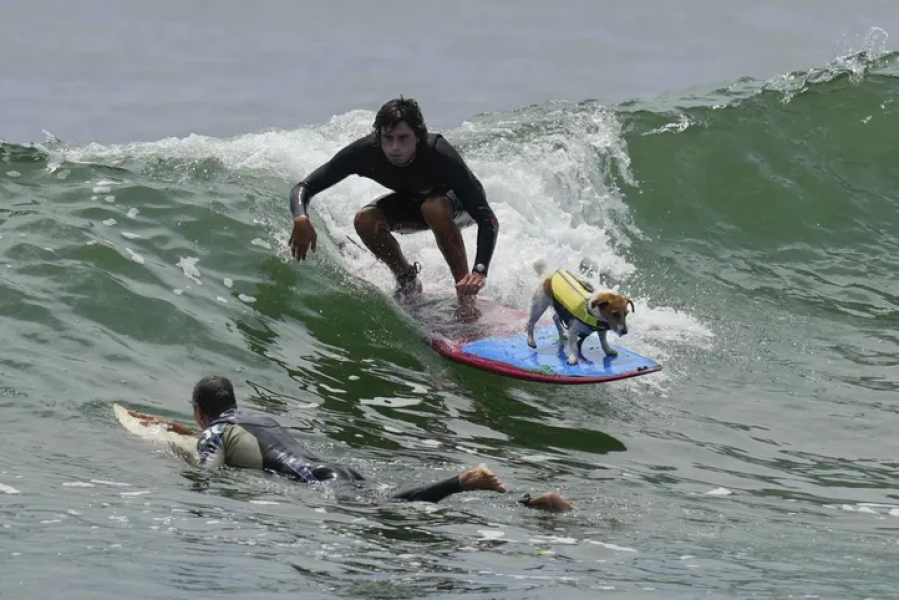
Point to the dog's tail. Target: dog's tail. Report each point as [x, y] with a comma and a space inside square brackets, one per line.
[540, 266]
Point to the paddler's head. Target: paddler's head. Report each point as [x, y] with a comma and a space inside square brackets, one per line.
[212, 396]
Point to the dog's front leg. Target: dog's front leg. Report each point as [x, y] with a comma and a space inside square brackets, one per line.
[605, 344]
[573, 346]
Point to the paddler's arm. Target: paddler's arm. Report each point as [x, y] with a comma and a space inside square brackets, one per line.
[173, 425]
[210, 449]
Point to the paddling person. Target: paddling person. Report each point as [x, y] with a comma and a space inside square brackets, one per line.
[432, 188]
[231, 437]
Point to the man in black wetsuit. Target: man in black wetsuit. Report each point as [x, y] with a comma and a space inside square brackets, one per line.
[433, 188]
[231, 437]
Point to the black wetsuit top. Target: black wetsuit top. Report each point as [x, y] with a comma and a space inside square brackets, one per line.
[436, 169]
[254, 441]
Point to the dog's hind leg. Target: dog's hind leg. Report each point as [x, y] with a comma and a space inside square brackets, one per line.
[559, 327]
[539, 304]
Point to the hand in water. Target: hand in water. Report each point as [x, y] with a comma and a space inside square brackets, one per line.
[302, 237]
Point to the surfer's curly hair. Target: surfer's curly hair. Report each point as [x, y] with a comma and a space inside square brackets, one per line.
[395, 111]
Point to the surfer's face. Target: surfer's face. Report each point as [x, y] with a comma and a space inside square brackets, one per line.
[398, 143]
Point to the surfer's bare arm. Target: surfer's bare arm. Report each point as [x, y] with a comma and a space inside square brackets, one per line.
[470, 192]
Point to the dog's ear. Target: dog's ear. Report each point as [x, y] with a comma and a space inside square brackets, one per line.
[631, 304]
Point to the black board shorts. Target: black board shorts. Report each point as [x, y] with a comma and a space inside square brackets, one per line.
[403, 211]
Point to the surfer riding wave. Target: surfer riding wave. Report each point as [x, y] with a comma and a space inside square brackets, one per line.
[432, 188]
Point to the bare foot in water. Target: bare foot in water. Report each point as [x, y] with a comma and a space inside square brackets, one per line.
[481, 478]
[549, 501]
[467, 310]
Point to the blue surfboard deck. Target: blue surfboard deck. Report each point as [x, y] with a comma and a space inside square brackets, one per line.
[496, 342]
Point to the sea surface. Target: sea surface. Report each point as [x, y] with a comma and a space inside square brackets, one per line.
[730, 167]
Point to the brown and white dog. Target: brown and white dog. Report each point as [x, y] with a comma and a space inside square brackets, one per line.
[579, 309]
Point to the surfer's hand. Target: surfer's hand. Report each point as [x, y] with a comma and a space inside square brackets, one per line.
[471, 284]
[302, 237]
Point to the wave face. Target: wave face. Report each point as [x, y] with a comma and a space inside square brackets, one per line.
[755, 227]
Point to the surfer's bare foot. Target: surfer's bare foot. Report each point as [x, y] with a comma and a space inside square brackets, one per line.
[408, 284]
[549, 501]
[481, 478]
[467, 309]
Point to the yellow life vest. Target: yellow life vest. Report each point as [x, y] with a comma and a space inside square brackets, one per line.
[570, 297]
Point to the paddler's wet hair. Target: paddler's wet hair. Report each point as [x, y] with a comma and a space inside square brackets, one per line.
[214, 395]
[393, 112]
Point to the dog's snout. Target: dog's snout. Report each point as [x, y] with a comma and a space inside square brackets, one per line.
[623, 331]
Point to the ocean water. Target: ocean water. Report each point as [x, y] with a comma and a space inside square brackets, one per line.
[730, 168]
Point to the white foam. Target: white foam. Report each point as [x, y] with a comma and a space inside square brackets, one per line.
[611, 546]
[132, 213]
[491, 534]
[537, 458]
[8, 489]
[554, 540]
[13, 174]
[189, 267]
[229, 283]
[112, 483]
[245, 298]
[130, 236]
[109, 222]
[135, 256]
[391, 402]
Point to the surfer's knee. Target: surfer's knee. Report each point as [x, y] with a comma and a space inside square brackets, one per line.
[369, 220]
[438, 212]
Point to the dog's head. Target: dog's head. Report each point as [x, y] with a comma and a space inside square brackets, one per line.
[612, 308]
